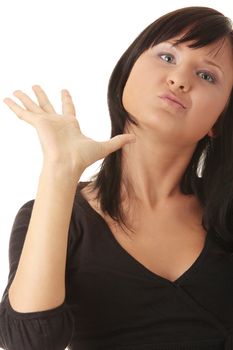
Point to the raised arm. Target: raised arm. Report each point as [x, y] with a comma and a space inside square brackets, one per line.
[39, 282]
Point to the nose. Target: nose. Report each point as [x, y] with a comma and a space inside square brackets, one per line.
[178, 82]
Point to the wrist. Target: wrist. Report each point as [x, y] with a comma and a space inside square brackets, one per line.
[63, 168]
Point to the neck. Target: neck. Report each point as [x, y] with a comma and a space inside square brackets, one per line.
[152, 171]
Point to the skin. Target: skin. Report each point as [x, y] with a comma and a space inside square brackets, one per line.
[167, 136]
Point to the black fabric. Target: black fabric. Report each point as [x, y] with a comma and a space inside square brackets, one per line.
[114, 302]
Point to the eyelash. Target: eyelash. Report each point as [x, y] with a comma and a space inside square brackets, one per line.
[206, 72]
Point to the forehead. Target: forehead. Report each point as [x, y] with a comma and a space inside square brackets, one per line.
[223, 47]
[219, 53]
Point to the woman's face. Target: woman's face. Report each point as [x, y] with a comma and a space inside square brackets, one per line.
[202, 87]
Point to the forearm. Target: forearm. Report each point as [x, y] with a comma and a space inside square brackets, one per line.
[39, 283]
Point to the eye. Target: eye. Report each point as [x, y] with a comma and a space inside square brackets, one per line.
[211, 76]
[166, 54]
[212, 79]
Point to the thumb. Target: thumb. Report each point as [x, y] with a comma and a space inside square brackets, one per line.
[118, 141]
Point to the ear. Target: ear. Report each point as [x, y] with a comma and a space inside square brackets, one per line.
[211, 133]
[214, 131]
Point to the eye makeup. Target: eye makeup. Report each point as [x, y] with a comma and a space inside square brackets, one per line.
[168, 45]
[205, 60]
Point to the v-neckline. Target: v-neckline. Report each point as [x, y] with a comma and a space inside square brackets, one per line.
[146, 270]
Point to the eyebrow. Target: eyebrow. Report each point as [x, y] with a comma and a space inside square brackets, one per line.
[205, 60]
[213, 64]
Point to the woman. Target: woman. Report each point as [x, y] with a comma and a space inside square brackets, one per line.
[140, 257]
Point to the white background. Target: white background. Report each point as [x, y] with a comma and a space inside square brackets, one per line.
[61, 44]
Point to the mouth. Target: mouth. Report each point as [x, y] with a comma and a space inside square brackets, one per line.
[172, 100]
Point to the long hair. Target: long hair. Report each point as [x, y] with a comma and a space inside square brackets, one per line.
[214, 188]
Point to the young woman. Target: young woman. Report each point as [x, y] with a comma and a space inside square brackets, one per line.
[141, 256]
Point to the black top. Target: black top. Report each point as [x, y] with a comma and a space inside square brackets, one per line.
[114, 302]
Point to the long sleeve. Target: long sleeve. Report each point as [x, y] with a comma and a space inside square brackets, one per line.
[48, 330]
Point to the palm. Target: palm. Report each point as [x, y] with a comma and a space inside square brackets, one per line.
[60, 135]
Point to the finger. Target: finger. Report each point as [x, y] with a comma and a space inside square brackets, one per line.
[19, 111]
[43, 100]
[118, 141]
[27, 102]
[67, 103]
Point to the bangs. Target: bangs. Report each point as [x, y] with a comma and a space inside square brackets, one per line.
[201, 37]
[197, 26]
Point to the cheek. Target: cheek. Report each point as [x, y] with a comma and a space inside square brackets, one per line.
[137, 90]
[204, 113]
[209, 107]
[127, 94]
[131, 91]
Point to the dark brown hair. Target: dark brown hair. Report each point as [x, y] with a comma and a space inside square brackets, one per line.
[214, 188]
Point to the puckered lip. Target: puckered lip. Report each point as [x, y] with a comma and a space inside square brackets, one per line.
[172, 97]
